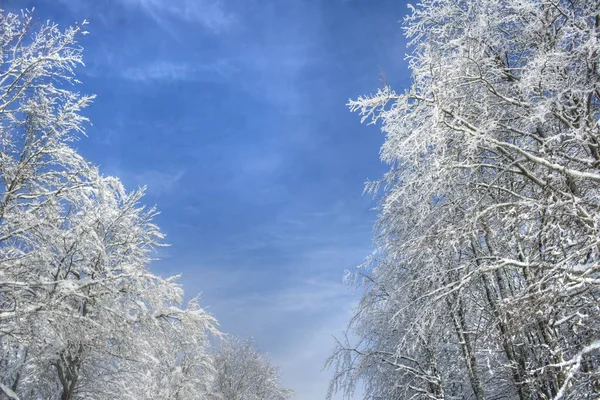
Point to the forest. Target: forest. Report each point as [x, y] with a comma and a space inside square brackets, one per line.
[484, 281]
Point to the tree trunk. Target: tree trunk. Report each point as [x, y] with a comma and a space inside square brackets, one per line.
[460, 326]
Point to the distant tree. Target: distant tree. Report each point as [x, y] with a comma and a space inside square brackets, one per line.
[486, 279]
[242, 373]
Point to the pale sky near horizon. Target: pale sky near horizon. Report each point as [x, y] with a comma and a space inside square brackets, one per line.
[234, 115]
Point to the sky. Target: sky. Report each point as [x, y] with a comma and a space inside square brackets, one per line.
[233, 114]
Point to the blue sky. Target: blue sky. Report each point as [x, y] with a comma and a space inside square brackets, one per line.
[233, 114]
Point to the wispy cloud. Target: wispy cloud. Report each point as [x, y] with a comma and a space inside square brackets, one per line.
[158, 72]
[302, 369]
[296, 324]
[174, 71]
[209, 13]
[159, 182]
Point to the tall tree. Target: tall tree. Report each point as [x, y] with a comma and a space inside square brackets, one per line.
[81, 315]
[488, 230]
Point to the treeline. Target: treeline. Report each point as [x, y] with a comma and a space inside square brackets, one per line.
[485, 281]
[81, 315]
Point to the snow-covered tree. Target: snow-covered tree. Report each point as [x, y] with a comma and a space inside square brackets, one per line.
[81, 315]
[243, 373]
[488, 255]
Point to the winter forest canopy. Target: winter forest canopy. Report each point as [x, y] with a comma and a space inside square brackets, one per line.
[485, 278]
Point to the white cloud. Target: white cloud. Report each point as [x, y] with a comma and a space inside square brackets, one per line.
[302, 362]
[158, 71]
[319, 310]
[159, 182]
[209, 13]
[174, 71]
